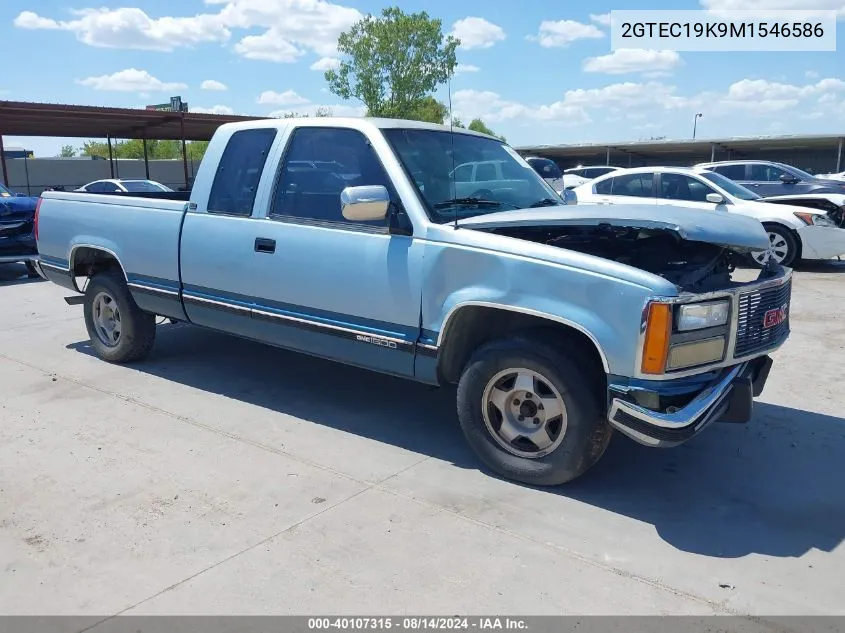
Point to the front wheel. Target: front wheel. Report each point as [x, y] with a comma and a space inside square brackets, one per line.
[531, 413]
[120, 331]
[783, 247]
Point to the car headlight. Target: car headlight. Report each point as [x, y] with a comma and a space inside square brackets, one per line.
[698, 316]
[815, 219]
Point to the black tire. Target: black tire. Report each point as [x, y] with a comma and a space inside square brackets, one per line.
[31, 270]
[587, 432]
[793, 247]
[137, 328]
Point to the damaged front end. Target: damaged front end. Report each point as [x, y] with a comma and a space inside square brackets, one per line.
[702, 354]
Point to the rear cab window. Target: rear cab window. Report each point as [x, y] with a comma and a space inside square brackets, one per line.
[239, 172]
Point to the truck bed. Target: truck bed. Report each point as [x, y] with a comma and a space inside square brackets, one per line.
[142, 232]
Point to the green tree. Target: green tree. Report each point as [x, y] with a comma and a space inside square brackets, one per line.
[67, 151]
[456, 122]
[156, 150]
[477, 125]
[394, 63]
[320, 112]
[427, 109]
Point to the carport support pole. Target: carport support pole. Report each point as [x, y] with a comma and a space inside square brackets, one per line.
[146, 160]
[111, 157]
[712, 152]
[184, 149]
[608, 156]
[3, 160]
[838, 157]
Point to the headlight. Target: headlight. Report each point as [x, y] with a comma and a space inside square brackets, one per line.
[815, 219]
[697, 316]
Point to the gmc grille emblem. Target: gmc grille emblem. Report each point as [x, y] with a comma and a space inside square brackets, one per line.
[775, 316]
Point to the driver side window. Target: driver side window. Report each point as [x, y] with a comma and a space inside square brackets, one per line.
[680, 187]
[319, 164]
[766, 173]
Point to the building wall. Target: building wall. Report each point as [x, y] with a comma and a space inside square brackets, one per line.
[816, 161]
[32, 176]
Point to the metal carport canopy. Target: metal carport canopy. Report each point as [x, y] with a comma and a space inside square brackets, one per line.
[19, 118]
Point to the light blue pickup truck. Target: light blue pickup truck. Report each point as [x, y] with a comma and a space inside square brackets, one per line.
[356, 240]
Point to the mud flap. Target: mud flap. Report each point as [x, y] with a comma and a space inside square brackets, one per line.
[744, 388]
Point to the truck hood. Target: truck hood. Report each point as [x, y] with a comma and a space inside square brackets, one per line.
[736, 232]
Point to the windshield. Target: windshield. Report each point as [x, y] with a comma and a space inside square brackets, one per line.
[545, 167]
[733, 189]
[143, 185]
[5, 192]
[803, 175]
[479, 167]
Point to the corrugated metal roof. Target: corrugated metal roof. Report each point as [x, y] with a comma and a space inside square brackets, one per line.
[20, 118]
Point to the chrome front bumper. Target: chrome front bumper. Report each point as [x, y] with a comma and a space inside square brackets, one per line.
[728, 398]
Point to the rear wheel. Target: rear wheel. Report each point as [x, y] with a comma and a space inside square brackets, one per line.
[783, 247]
[531, 413]
[120, 331]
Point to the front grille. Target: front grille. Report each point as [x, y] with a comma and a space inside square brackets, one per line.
[751, 334]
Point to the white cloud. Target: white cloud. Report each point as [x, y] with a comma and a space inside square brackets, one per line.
[131, 80]
[213, 84]
[773, 7]
[811, 74]
[218, 109]
[564, 32]
[477, 33]
[268, 46]
[131, 28]
[466, 68]
[490, 106]
[286, 98]
[603, 18]
[633, 60]
[288, 27]
[326, 63]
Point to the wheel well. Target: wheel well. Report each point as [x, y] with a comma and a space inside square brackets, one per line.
[88, 261]
[792, 232]
[472, 326]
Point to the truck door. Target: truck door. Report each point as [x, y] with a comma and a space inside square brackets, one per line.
[324, 285]
[218, 236]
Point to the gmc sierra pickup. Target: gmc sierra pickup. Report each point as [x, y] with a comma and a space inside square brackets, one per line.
[351, 239]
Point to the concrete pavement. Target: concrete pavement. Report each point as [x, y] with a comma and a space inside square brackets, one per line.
[222, 476]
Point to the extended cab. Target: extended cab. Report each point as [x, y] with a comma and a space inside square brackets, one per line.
[345, 239]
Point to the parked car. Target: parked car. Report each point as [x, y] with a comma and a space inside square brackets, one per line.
[551, 173]
[557, 323]
[837, 176]
[591, 171]
[794, 231]
[116, 185]
[17, 240]
[773, 179]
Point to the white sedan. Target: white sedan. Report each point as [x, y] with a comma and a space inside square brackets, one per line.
[795, 232]
[123, 185]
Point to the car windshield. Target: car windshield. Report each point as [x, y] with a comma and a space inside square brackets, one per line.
[142, 185]
[451, 170]
[5, 192]
[733, 189]
[803, 175]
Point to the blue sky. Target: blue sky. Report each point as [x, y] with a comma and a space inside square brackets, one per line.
[537, 72]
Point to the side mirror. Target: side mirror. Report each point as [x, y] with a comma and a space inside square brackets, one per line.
[715, 198]
[364, 204]
[789, 179]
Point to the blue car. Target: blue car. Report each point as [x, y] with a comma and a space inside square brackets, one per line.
[17, 229]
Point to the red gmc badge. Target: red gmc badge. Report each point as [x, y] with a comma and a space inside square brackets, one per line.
[775, 316]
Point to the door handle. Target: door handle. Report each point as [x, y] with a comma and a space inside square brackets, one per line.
[265, 245]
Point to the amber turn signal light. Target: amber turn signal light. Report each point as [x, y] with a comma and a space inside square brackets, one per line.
[657, 334]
